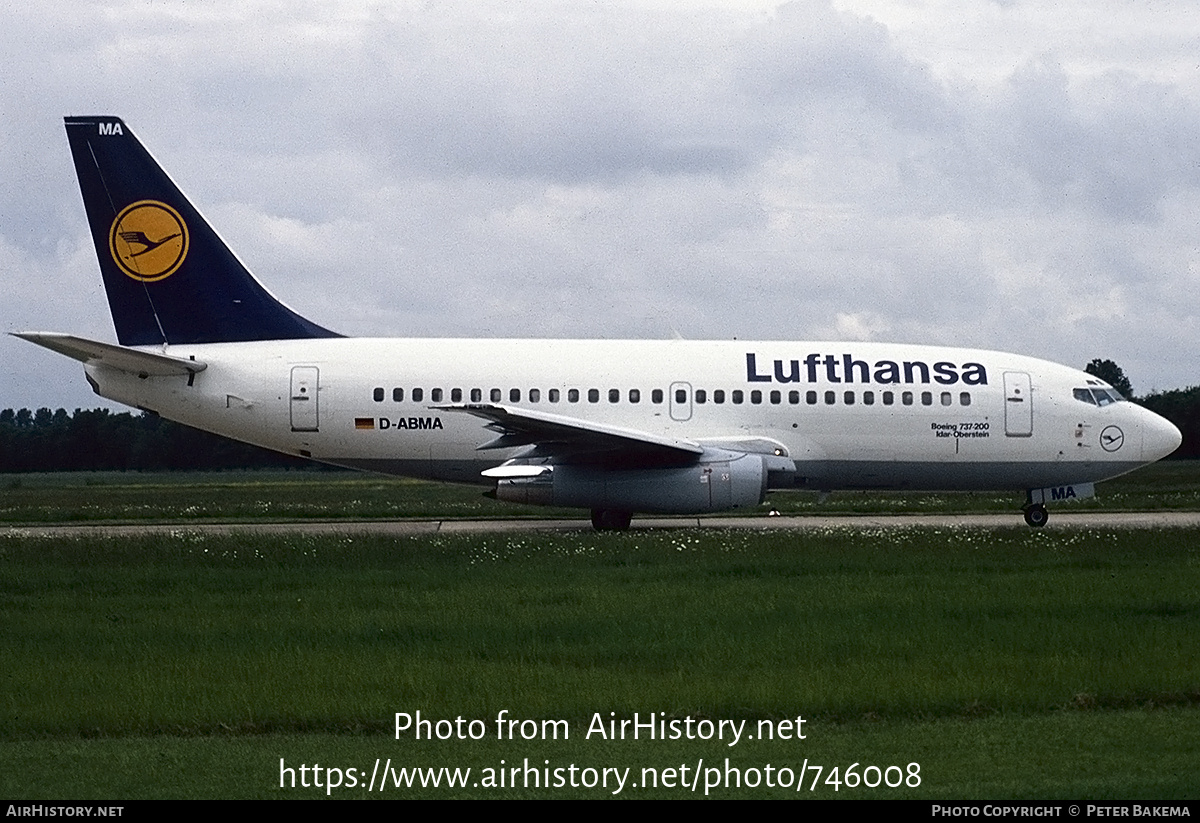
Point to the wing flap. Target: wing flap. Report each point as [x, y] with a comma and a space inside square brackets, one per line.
[125, 359]
[556, 432]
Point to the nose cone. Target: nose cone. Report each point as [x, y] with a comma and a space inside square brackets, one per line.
[1160, 437]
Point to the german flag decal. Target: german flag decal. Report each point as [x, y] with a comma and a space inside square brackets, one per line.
[364, 422]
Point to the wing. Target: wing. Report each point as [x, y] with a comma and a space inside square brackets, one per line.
[562, 437]
[124, 358]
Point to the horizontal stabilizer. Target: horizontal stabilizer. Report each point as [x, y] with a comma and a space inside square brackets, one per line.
[109, 354]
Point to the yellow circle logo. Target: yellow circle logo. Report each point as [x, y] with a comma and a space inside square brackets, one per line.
[148, 240]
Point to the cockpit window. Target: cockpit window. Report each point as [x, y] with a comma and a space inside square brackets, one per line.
[1098, 397]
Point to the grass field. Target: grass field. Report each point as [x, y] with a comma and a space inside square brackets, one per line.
[1002, 663]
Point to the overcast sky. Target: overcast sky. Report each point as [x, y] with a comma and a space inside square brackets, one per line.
[1013, 175]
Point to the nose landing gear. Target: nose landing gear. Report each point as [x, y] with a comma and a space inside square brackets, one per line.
[1036, 515]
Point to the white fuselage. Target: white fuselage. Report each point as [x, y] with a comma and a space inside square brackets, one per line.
[851, 415]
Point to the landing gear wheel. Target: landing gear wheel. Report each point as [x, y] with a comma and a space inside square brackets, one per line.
[611, 520]
[1036, 515]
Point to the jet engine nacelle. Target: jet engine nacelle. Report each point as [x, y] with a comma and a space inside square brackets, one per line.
[729, 481]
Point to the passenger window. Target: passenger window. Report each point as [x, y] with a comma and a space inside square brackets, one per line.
[701, 396]
[965, 398]
[794, 397]
[868, 398]
[635, 396]
[888, 398]
[572, 395]
[496, 395]
[810, 398]
[718, 395]
[656, 396]
[947, 398]
[614, 395]
[737, 396]
[756, 397]
[397, 395]
[535, 395]
[776, 397]
[435, 395]
[514, 395]
[906, 398]
[830, 398]
[378, 395]
[926, 398]
[681, 395]
[849, 397]
[456, 395]
[418, 395]
[476, 395]
[593, 395]
[554, 395]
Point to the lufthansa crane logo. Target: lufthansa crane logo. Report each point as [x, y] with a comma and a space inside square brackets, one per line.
[1112, 438]
[148, 240]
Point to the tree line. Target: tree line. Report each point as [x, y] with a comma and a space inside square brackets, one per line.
[102, 440]
[1181, 407]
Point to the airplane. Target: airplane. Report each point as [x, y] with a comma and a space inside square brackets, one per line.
[613, 426]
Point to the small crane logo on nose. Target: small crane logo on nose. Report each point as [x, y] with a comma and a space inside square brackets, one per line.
[1111, 438]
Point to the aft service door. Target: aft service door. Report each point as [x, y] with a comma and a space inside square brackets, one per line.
[305, 412]
[1018, 404]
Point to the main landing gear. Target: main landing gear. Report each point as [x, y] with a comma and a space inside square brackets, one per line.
[1036, 515]
[611, 520]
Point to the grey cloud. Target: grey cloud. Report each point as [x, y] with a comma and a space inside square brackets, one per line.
[1117, 145]
[609, 170]
[810, 52]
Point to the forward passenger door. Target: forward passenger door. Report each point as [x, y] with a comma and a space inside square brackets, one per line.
[1018, 404]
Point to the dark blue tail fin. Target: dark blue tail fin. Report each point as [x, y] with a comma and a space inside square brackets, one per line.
[169, 277]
